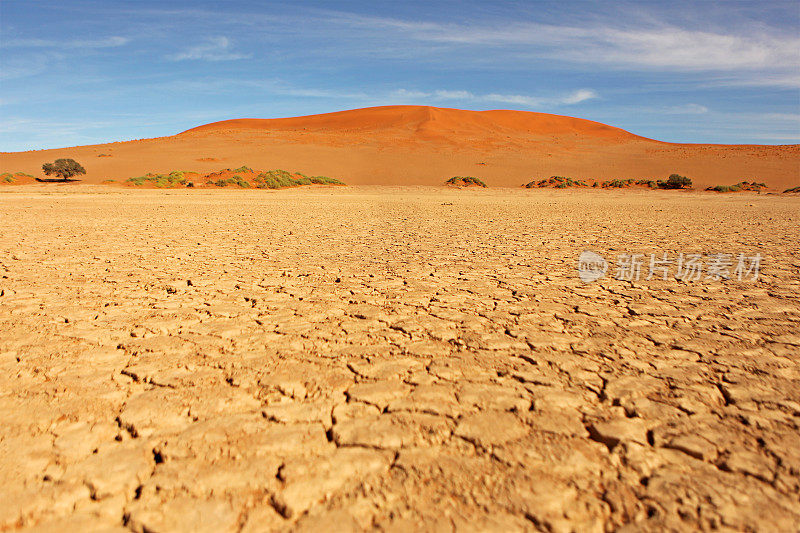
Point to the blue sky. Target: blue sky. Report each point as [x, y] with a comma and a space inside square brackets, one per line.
[85, 72]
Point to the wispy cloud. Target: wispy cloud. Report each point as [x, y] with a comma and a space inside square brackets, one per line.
[733, 57]
[687, 109]
[109, 42]
[571, 98]
[215, 49]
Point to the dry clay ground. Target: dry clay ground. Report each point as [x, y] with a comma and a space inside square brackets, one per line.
[399, 359]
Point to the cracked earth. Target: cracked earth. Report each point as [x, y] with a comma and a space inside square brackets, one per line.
[394, 359]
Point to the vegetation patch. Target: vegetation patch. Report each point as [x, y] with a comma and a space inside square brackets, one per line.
[8, 177]
[675, 181]
[233, 180]
[465, 181]
[242, 177]
[279, 179]
[558, 182]
[741, 186]
[161, 181]
[793, 190]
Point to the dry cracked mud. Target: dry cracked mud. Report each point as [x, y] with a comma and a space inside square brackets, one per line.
[393, 359]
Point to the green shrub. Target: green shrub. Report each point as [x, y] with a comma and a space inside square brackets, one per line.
[741, 186]
[280, 179]
[675, 181]
[233, 180]
[464, 181]
[173, 179]
[724, 188]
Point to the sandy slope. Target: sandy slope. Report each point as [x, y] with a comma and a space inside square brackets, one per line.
[389, 359]
[415, 145]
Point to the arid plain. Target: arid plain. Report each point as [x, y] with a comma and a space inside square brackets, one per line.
[396, 358]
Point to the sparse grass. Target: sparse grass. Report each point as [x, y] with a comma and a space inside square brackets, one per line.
[559, 182]
[741, 186]
[8, 177]
[280, 179]
[273, 179]
[617, 184]
[793, 189]
[233, 180]
[724, 188]
[465, 181]
[162, 181]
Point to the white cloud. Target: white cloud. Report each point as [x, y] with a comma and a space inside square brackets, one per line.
[579, 96]
[574, 97]
[687, 109]
[109, 42]
[216, 49]
[756, 55]
[515, 99]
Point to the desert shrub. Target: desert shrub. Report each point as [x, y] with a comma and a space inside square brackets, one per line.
[243, 169]
[724, 188]
[6, 177]
[741, 186]
[751, 186]
[465, 181]
[63, 168]
[559, 182]
[173, 179]
[793, 189]
[279, 179]
[233, 180]
[275, 179]
[324, 180]
[675, 181]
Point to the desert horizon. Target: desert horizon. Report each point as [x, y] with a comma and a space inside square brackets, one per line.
[423, 145]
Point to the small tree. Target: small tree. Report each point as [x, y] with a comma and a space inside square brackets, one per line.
[64, 168]
[675, 181]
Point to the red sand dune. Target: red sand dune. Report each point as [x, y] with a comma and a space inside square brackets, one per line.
[417, 145]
